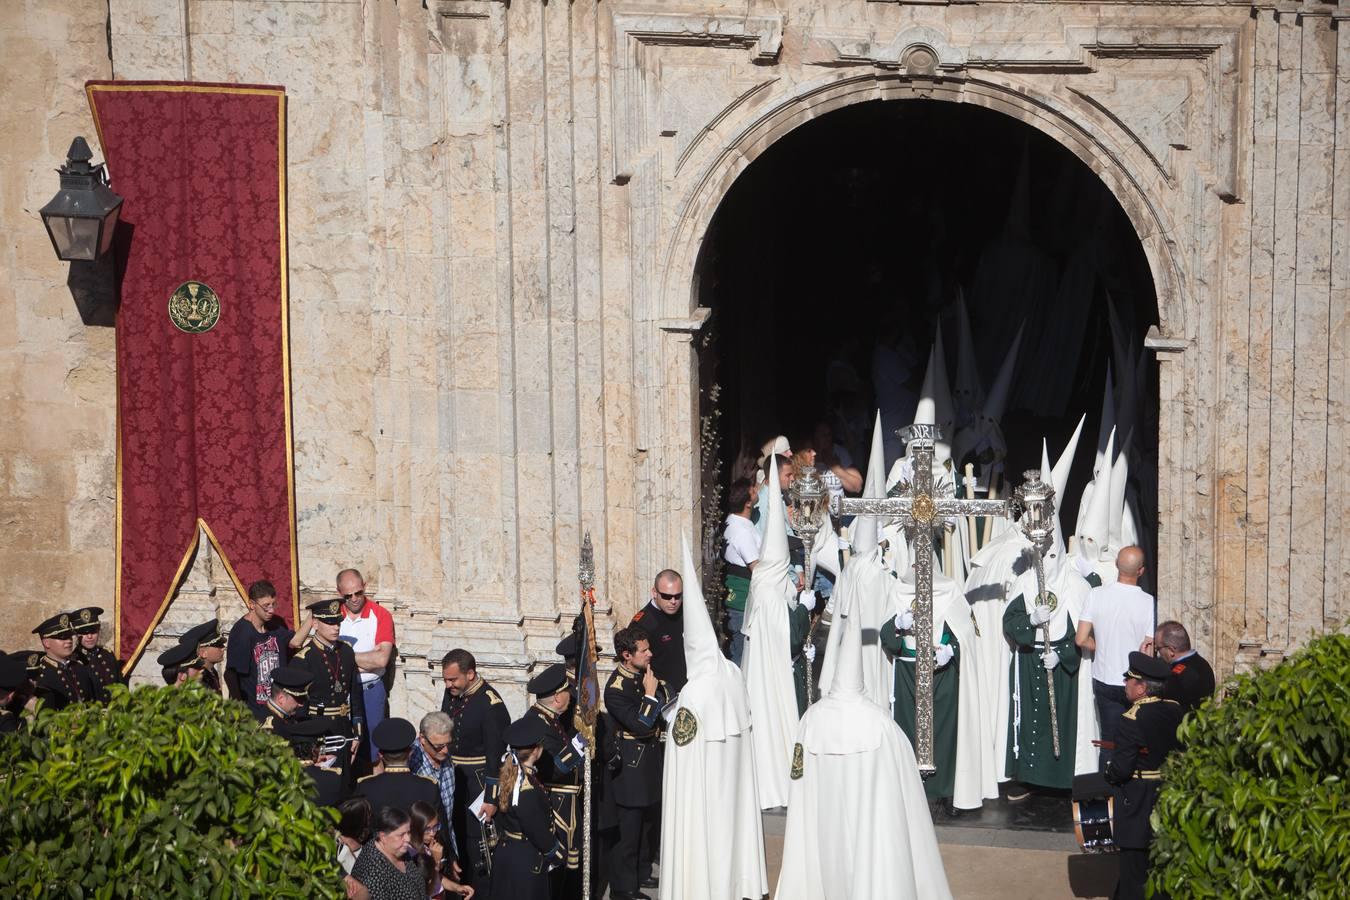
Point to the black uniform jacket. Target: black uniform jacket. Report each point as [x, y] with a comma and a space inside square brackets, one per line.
[398, 787]
[667, 642]
[336, 689]
[560, 763]
[634, 757]
[527, 845]
[1147, 734]
[61, 684]
[476, 743]
[329, 787]
[103, 668]
[1190, 683]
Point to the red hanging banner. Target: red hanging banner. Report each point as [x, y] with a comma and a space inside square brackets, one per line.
[203, 371]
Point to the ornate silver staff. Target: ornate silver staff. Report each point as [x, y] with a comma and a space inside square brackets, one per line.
[1036, 500]
[807, 516]
[586, 712]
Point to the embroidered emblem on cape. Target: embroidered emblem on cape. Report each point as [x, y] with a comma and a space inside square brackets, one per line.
[194, 308]
[798, 763]
[686, 727]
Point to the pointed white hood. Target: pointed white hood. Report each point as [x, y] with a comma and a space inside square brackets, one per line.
[1120, 477]
[1058, 479]
[837, 725]
[935, 401]
[864, 536]
[968, 393]
[1102, 461]
[996, 404]
[985, 430]
[1094, 534]
[715, 692]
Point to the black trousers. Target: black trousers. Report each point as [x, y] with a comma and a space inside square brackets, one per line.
[1111, 705]
[629, 865]
[1134, 876]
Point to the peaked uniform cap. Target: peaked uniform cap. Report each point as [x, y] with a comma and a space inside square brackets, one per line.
[206, 634]
[1144, 666]
[85, 620]
[391, 735]
[528, 731]
[181, 655]
[548, 682]
[58, 626]
[13, 673]
[330, 612]
[294, 681]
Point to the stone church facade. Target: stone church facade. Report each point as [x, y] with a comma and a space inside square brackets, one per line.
[495, 215]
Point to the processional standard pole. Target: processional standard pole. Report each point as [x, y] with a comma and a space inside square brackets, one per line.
[587, 702]
[809, 496]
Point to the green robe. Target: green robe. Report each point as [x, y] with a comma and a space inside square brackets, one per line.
[1035, 762]
[799, 626]
[946, 697]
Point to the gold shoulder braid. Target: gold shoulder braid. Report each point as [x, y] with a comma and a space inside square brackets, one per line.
[686, 727]
[798, 763]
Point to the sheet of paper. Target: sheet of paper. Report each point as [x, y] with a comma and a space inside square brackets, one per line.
[476, 807]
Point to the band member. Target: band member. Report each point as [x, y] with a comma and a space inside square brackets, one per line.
[560, 769]
[336, 690]
[1147, 734]
[102, 665]
[476, 750]
[634, 697]
[210, 646]
[180, 664]
[397, 786]
[62, 680]
[286, 704]
[529, 846]
[13, 679]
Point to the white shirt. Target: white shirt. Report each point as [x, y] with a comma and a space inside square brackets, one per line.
[742, 541]
[1121, 617]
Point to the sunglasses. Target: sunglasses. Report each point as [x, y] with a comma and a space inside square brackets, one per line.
[665, 596]
[437, 748]
[360, 593]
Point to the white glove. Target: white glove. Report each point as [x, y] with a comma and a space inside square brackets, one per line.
[943, 654]
[1041, 614]
[1050, 659]
[905, 621]
[810, 653]
[807, 599]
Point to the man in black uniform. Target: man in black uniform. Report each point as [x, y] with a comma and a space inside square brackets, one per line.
[1147, 734]
[634, 697]
[102, 665]
[307, 742]
[397, 785]
[336, 690]
[13, 677]
[663, 620]
[209, 644]
[286, 704]
[180, 664]
[62, 680]
[1190, 679]
[476, 750]
[560, 770]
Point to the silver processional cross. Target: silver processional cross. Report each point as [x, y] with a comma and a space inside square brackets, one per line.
[917, 508]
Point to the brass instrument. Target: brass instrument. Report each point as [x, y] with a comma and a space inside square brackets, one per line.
[487, 842]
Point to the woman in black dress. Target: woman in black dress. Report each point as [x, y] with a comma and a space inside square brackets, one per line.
[383, 867]
[527, 846]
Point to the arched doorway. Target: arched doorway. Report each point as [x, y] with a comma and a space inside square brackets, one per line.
[855, 232]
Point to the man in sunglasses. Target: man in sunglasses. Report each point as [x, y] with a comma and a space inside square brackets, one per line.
[369, 628]
[663, 620]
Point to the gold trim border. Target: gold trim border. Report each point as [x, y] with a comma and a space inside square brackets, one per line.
[91, 89]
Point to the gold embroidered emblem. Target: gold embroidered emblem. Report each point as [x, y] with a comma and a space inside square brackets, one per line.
[686, 727]
[923, 509]
[194, 308]
[798, 762]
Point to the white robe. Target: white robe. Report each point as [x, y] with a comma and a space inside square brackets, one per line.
[712, 836]
[995, 569]
[976, 774]
[767, 664]
[865, 586]
[858, 825]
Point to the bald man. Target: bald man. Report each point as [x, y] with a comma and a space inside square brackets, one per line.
[1116, 620]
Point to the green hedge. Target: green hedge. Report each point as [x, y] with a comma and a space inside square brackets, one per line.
[1257, 805]
[165, 792]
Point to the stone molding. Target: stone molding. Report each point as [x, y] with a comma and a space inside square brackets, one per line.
[634, 32]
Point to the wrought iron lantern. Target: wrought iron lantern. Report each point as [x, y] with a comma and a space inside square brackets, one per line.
[1036, 500]
[82, 216]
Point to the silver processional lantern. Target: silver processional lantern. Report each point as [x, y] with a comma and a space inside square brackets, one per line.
[1036, 500]
[82, 216]
[810, 505]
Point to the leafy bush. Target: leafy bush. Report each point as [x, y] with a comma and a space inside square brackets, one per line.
[164, 792]
[1257, 804]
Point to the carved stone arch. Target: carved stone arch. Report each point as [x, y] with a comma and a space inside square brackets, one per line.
[711, 169]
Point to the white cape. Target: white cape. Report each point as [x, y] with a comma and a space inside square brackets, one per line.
[976, 775]
[767, 663]
[866, 587]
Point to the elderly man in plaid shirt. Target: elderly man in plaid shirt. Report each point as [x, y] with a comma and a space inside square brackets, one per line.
[431, 757]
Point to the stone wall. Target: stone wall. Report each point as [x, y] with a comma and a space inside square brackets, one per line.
[495, 217]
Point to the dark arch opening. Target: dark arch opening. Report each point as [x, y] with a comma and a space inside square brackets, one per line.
[860, 229]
